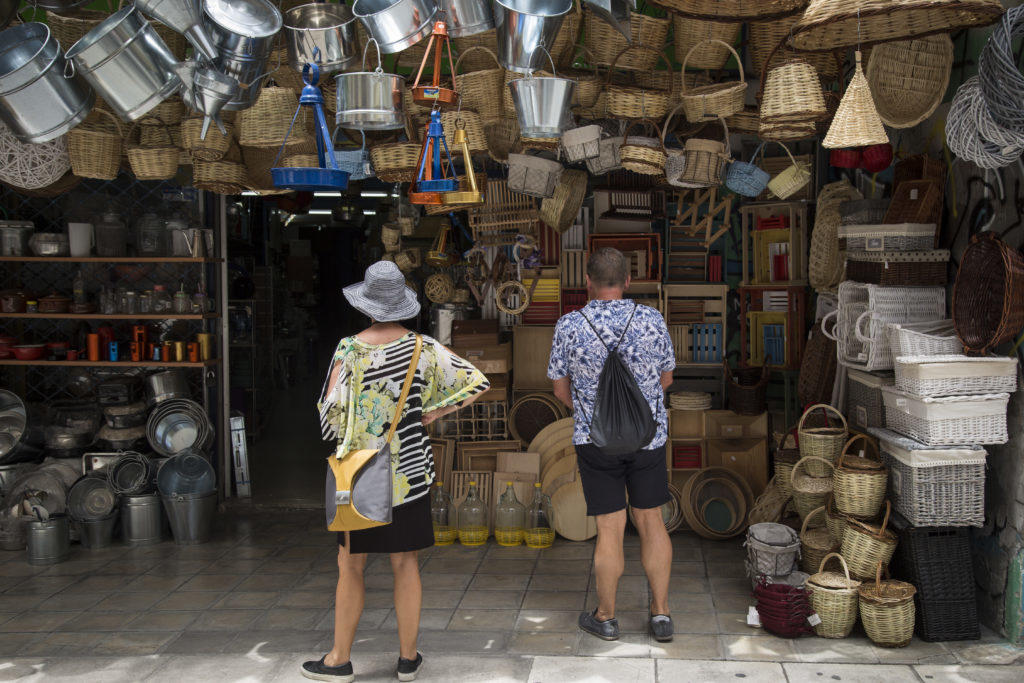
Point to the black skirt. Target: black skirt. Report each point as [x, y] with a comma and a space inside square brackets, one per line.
[410, 529]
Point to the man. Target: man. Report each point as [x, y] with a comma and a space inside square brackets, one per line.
[577, 357]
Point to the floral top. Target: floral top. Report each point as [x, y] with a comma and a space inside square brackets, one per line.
[357, 412]
[578, 354]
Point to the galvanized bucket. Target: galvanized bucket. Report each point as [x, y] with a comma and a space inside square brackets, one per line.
[542, 104]
[523, 26]
[369, 100]
[37, 102]
[329, 28]
[244, 32]
[49, 542]
[191, 517]
[396, 24]
[142, 519]
[466, 17]
[97, 533]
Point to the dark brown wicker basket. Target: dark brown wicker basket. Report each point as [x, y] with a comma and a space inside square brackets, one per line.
[817, 369]
[747, 389]
[988, 296]
[896, 273]
[916, 201]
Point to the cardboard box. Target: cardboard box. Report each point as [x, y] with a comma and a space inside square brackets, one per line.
[490, 359]
[523, 463]
[474, 333]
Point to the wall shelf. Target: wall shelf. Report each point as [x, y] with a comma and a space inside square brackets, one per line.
[113, 316]
[111, 364]
[112, 259]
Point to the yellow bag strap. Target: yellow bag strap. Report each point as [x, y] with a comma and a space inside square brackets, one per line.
[405, 388]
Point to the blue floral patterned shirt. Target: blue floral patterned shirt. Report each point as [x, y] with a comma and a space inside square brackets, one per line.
[646, 349]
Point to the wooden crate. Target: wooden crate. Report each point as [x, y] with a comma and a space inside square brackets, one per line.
[504, 216]
[644, 247]
[490, 359]
[794, 215]
[708, 342]
[681, 303]
[444, 459]
[474, 333]
[682, 343]
[484, 486]
[574, 268]
[482, 420]
[725, 424]
[482, 456]
[519, 461]
[573, 300]
[685, 424]
[531, 349]
[686, 266]
[545, 303]
[746, 457]
[772, 305]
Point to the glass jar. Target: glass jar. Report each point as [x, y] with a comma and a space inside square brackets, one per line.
[182, 301]
[539, 533]
[509, 517]
[441, 513]
[131, 302]
[146, 302]
[122, 299]
[150, 235]
[200, 303]
[161, 299]
[111, 236]
[31, 306]
[473, 528]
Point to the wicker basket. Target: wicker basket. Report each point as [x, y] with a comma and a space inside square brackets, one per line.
[763, 43]
[916, 201]
[949, 420]
[936, 338]
[559, 211]
[834, 598]
[887, 610]
[608, 45]
[863, 211]
[866, 545]
[70, 26]
[856, 123]
[785, 460]
[608, 158]
[746, 389]
[791, 179]
[886, 237]
[582, 143]
[688, 32]
[95, 146]
[156, 157]
[471, 121]
[835, 521]
[772, 549]
[825, 267]
[864, 402]
[792, 94]
[674, 161]
[817, 368]
[815, 543]
[909, 78]
[642, 101]
[898, 268]
[214, 147]
[533, 176]
[266, 123]
[396, 162]
[588, 100]
[481, 90]
[810, 492]
[746, 178]
[502, 138]
[643, 155]
[704, 161]
[956, 375]
[858, 484]
[734, 10]
[709, 102]
[220, 177]
[169, 112]
[988, 296]
[564, 45]
[825, 443]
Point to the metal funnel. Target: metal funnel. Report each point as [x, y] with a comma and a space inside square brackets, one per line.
[212, 90]
[183, 16]
[615, 12]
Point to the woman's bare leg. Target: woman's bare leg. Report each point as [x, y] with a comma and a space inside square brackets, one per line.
[408, 600]
[348, 604]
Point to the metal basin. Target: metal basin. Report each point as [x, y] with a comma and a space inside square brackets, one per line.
[177, 425]
[523, 26]
[37, 102]
[186, 474]
[466, 17]
[244, 32]
[541, 105]
[166, 385]
[329, 28]
[127, 62]
[396, 24]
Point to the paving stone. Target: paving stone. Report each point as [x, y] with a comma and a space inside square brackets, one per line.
[853, 673]
[851, 650]
[483, 620]
[37, 622]
[514, 582]
[191, 600]
[693, 603]
[225, 620]
[263, 642]
[96, 584]
[533, 620]
[492, 599]
[207, 668]
[442, 599]
[569, 551]
[687, 646]
[463, 642]
[106, 669]
[445, 581]
[623, 601]
[620, 670]
[628, 645]
[69, 602]
[544, 643]
[507, 566]
[721, 584]
[148, 583]
[958, 673]
[553, 582]
[556, 600]
[453, 566]
[139, 643]
[290, 619]
[918, 652]
[20, 603]
[44, 585]
[55, 645]
[430, 619]
[95, 621]
[735, 623]
[757, 648]
[13, 643]
[570, 567]
[128, 602]
[986, 653]
[302, 599]
[200, 643]
[248, 600]
[672, 671]
[688, 584]
[688, 568]
[213, 582]
[161, 621]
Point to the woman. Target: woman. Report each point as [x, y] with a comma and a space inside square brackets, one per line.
[356, 408]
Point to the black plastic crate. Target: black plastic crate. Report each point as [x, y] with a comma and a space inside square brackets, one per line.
[939, 620]
[937, 560]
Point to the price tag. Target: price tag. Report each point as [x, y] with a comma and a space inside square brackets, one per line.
[814, 620]
[753, 618]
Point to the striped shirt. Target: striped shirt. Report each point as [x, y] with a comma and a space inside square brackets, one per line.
[357, 412]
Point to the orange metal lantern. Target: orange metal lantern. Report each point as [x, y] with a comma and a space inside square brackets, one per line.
[429, 95]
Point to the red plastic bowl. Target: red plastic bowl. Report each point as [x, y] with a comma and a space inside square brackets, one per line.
[29, 351]
[845, 158]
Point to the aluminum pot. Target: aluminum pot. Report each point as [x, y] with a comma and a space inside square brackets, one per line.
[523, 26]
[396, 24]
[163, 386]
[467, 17]
[37, 102]
[542, 104]
[127, 63]
[369, 100]
[244, 32]
[329, 28]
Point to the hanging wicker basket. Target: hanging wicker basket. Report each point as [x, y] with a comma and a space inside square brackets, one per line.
[764, 38]
[687, 32]
[791, 93]
[908, 78]
[533, 176]
[559, 211]
[608, 45]
[481, 89]
[439, 288]
[856, 122]
[464, 44]
[395, 162]
[214, 147]
[865, 545]
[169, 112]
[266, 123]
[746, 389]
[32, 166]
[502, 137]
[887, 610]
[704, 160]
[608, 157]
[643, 154]
[859, 482]
[709, 102]
[734, 10]
[834, 598]
[563, 46]
[219, 176]
[674, 160]
[810, 492]
[746, 178]
[473, 125]
[791, 179]
[580, 144]
[637, 101]
[815, 543]
[70, 26]
[96, 145]
[988, 296]
[155, 156]
[825, 443]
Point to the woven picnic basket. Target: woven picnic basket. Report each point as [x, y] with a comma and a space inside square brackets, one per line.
[704, 160]
[481, 90]
[825, 443]
[560, 209]
[815, 543]
[810, 492]
[396, 162]
[213, 147]
[642, 154]
[834, 598]
[856, 122]
[687, 32]
[887, 610]
[988, 296]
[608, 45]
[858, 483]
[866, 545]
[95, 146]
[908, 78]
[153, 155]
[637, 101]
[716, 100]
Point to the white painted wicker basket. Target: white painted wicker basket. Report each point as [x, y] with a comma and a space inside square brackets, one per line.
[955, 375]
[952, 420]
[932, 338]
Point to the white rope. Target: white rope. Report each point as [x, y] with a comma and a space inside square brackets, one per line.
[28, 166]
[972, 134]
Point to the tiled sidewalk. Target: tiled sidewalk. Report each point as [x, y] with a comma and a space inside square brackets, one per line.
[257, 600]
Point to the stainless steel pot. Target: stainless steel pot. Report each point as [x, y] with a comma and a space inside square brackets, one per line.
[331, 29]
[370, 100]
[466, 17]
[523, 26]
[37, 102]
[244, 32]
[166, 385]
[127, 63]
[396, 24]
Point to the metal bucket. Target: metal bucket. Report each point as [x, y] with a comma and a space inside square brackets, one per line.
[191, 517]
[369, 100]
[467, 17]
[97, 533]
[523, 26]
[541, 105]
[163, 386]
[127, 62]
[37, 102]
[329, 28]
[142, 520]
[244, 32]
[49, 542]
[396, 24]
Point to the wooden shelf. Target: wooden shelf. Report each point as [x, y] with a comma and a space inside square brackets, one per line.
[110, 364]
[114, 316]
[112, 259]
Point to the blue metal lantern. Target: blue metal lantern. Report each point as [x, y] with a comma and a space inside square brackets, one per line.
[436, 175]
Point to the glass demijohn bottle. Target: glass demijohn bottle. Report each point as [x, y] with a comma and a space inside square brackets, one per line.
[441, 513]
[473, 518]
[509, 518]
[539, 532]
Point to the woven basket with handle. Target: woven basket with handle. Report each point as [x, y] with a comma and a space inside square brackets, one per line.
[887, 610]
[704, 160]
[764, 37]
[810, 492]
[560, 209]
[815, 543]
[213, 147]
[834, 599]
[791, 93]
[481, 90]
[859, 482]
[734, 10]
[155, 156]
[642, 154]
[687, 32]
[709, 102]
[636, 102]
[791, 179]
[607, 44]
[821, 442]
[95, 146]
[865, 545]
[908, 78]
[266, 123]
[395, 162]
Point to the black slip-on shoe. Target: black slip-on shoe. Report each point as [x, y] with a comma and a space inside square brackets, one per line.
[408, 668]
[661, 627]
[605, 630]
[318, 671]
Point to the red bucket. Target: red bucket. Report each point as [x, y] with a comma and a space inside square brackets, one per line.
[845, 158]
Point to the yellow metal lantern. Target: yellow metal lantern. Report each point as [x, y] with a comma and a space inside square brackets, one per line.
[475, 193]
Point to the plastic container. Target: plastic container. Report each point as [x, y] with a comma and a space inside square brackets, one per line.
[441, 513]
[509, 518]
[473, 528]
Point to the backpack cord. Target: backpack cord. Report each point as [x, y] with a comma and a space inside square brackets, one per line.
[610, 351]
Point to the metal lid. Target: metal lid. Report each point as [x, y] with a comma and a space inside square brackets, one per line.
[250, 18]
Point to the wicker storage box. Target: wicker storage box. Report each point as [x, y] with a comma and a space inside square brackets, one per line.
[955, 375]
[900, 237]
[934, 486]
[864, 405]
[863, 211]
[933, 338]
[533, 176]
[898, 268]
[952, 420]
[936, 559]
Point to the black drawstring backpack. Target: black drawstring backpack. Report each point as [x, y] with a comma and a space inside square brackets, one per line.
[622, 421]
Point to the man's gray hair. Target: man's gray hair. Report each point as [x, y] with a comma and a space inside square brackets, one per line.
[608, 267]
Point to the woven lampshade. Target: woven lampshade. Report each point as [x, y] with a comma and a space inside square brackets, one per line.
[792, 94]
[856, 123]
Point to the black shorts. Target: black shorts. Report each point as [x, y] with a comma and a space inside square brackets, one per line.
[608, 478]
[411, 528]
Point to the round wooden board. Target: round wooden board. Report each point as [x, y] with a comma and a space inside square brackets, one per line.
[570, 513]
[544, 436]
[554, 456]
[559, 468]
